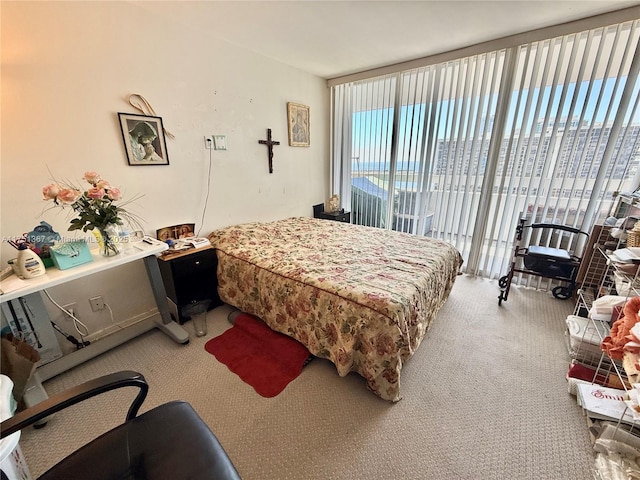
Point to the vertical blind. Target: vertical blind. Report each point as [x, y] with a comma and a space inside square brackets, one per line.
[462, 150]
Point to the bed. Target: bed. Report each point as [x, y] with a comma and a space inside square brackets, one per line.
[359, 296]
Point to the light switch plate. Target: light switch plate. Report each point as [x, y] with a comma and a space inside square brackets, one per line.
[220, 142]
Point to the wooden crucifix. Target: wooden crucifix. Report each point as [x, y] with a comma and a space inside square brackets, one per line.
[269, 143]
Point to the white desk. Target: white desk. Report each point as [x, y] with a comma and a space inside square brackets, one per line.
[13, 287]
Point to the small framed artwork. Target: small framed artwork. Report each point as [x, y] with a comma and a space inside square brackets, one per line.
[299, 128]
[176, 232]
[143, 138]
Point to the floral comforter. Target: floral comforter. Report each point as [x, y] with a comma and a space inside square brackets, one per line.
[359, 296]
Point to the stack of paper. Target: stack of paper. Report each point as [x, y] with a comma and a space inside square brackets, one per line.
[605, 403]
[602, 308]
[626, 255]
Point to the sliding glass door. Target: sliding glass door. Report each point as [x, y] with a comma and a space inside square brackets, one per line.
[462, 150]
[561, 158]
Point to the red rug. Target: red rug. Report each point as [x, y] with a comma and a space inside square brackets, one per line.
[265, 359]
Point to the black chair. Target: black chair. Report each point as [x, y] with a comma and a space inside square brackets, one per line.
[168, 442]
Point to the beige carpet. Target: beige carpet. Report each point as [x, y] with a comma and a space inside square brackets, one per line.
[484, 397]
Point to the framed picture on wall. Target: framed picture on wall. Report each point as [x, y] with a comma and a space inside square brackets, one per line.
[143, 138]
[298, 121]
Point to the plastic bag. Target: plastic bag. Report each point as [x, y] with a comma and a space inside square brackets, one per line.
[616, 460]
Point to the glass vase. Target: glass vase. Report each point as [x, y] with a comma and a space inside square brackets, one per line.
[108, 240]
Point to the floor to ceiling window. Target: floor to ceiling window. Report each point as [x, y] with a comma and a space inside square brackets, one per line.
[462, 150]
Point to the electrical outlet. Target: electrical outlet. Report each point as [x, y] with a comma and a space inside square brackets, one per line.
[208, 142]
[72, 308]
[97, 303]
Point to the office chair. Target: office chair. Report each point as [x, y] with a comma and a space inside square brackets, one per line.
[170, 441]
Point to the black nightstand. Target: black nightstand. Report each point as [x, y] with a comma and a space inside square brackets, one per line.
[338, 216]
[318, 212]
[190, 276]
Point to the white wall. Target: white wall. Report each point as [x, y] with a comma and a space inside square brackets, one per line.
[69, 67]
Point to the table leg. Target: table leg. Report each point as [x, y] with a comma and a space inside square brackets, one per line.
[166, 324]
[35, 393]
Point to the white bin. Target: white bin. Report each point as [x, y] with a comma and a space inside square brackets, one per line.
[12, 461]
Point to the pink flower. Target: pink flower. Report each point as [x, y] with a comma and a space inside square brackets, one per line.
[114, 194]
[92, 177]
[50, 192]
[93, 207]
[68, 195]
[95, 193]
